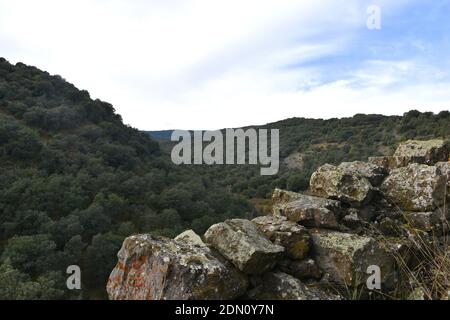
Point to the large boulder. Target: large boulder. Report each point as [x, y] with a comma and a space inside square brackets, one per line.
[293, 237]
[345, 257]
[417, 187]
[310, 211]
[374, 173]
[344, 185]
[157, 268]
[281, 286]
[241, 242]
[425, 152]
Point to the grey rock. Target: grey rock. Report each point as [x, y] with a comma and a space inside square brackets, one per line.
[281, 286]
[301, 269]
[310, 211]
[417, 187]
[346, 257]
[341, 184]
[292, 236]
[425, 152]
[190, 237]
[374, 173]
[241, 242]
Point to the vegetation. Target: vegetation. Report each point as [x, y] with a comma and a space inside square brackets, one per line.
[75, 181]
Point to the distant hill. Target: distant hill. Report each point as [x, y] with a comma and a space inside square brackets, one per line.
[164, 134]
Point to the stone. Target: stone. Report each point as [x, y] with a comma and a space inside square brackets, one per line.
[345, 257]
[281, 286]
[280, 196]
[417, 187]
[352, 219]
[301, 269]
[423, 152]
[374, 173]
[189, 236]
[294, 161]
[444, 169]
[293, 237]
[157, 268]
[242, 243]
[337, 183]
[413, 151]
[426, 221]
[310, 211]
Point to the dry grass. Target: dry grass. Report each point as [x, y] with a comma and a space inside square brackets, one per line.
[427, 269]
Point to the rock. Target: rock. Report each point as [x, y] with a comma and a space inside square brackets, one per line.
[281, 286]
[280, 197]
[416, 187]
[374, 173]
[310, 211]
[383, 161]
[352, 219]
[293, 237]
[390, 227]
[157, 268]
[294, 161]
[340, 184]
[303, 269]
[426, 221]
[444, 169]
[424, 152]
[408, 152]
[190, 237]
[241, 242]
[346, 257]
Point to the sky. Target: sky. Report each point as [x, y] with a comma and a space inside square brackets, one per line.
[210, 64]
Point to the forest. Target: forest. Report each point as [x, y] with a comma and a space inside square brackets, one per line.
[75, 180]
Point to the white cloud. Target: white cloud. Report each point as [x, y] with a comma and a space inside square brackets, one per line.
[204, 63]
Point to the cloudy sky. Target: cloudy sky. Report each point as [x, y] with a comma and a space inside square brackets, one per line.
[208, 64]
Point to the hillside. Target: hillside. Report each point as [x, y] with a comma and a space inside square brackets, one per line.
[75, 181]
[306, 144]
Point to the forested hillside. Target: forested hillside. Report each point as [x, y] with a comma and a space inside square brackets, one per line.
[75, 181]
[306, 144]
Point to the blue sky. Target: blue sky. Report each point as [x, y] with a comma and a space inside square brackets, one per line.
[207, 64]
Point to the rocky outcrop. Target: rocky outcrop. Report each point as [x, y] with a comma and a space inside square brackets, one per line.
[292, 236]
[341, 184]
[242, 243]
[155, 268]
[346, 257]
[416, 187]
[359, 215]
